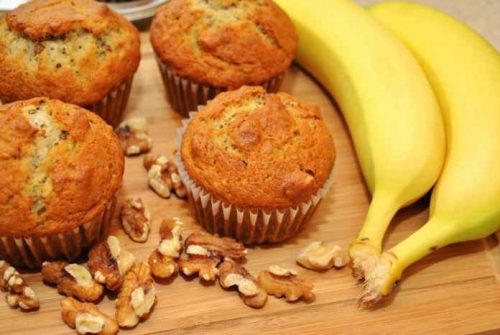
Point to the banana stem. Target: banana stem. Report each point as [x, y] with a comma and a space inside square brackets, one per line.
[382, 210]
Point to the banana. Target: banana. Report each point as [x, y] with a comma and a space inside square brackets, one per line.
[389, 106]
[464, 70]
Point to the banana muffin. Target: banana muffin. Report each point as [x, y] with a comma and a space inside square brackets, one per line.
[60, 168]
[255, 164]
[207, 46]
[77, 51]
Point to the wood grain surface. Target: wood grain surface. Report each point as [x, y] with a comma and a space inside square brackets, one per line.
[456, 290]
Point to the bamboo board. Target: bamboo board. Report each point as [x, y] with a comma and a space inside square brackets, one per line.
[454, 291]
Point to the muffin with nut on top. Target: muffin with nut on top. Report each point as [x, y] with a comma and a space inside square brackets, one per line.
[77, 51]
[60, 168]
[204, 47]
[255, 164]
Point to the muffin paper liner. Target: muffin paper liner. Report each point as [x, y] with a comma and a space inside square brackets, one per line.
[249, 226]
[31, 252]
[112, 107]
[184, 95]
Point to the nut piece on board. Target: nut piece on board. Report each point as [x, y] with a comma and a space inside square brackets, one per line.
[163, 176]
[72, 280]
[216, 247]
[281, 282]
[136, 219]
[134, 137]
[205, 267]
[137, 296]
[233, 274]
[18, 293]
[322, 256]
[86, 318]
[163, 259]
[109, 263]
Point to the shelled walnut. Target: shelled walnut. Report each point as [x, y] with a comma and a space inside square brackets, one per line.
[134, 137]
[205, 267]
[233, 274]
[18, 293]
[136, 219]
[86, 318]
[72, 280]
[137, 296]
[215, 246]
[163, 176]
[109, 263]
[322, 256]
[279, 282]
[163, 259]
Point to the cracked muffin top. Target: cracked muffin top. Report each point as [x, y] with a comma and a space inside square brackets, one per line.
[258, 150]
[224, 43]
[60, 166]
[72, 50]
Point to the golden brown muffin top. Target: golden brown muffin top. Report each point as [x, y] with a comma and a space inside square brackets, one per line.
[255, 149]
[224, 43]
[72, 50]
[60, 166]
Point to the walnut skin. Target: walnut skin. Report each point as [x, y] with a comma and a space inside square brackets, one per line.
[136, 219]
[18, 293]
[108, 263]
[137, 296]
[281, 282]
[217, 247]
[72, 280]
[86, 318]
[322, 256]
[134, 137]
[233, 274]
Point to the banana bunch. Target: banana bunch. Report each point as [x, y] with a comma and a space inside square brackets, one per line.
[389, 106]
[396, 126]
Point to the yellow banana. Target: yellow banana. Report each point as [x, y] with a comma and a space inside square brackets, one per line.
[388, 104]
[464, 71]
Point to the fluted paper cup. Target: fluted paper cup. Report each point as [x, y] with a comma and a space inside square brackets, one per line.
[31, 252]
[249, 226]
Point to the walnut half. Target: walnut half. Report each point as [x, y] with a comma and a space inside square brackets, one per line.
[72, 280]
[136, 219]
[233, 274]
[137, 296]
[134, 137]
[163, 259]
[163, 176]
[215, 246]
[109, 262]
[322, 256]
[279, 281]
[19, 294]
[86, 318]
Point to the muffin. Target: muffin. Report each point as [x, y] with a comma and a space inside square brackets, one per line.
[60, 168]
[77, 51]
[204, 47]
[255, 164]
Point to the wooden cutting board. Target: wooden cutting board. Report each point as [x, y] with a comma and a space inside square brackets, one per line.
[454, 291]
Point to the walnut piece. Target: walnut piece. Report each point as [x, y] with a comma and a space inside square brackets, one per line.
[233, 274]
[136, 219]
[72, 280]
[163, 177]
[134, 137]
[205, 267]
[215, 246]
[322, 256]
[137, 296]
[18, 293]
[279, 282]
[163, 259]
[109, 263]
[86, 318]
